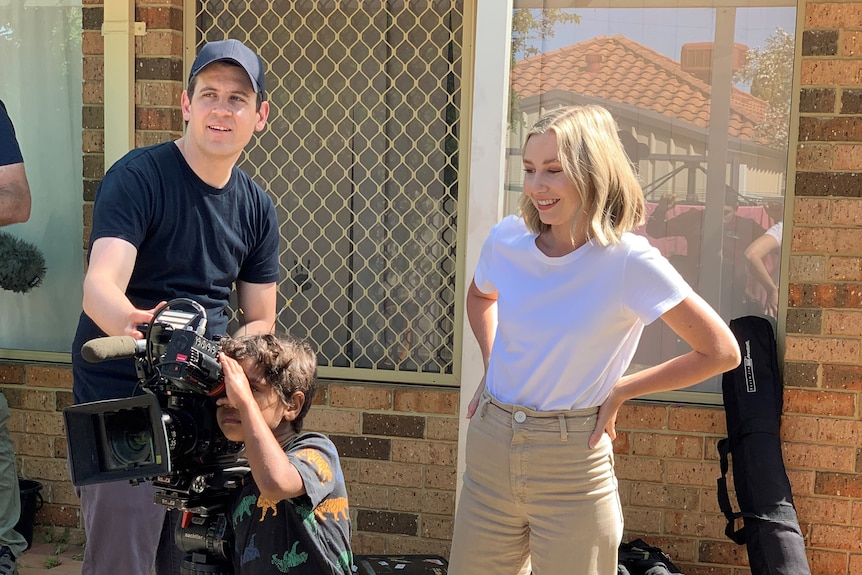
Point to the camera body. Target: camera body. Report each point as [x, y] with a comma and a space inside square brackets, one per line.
[168, 435]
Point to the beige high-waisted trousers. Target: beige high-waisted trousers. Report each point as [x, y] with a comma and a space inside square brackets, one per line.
[535, 492]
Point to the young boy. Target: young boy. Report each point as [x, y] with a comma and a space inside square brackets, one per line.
[290, 514]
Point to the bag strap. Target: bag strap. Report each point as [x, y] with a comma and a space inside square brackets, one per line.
[737, 536]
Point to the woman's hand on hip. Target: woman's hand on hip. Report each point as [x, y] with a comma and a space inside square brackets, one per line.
[607, 420]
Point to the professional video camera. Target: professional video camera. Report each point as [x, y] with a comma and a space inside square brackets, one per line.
[168, 435]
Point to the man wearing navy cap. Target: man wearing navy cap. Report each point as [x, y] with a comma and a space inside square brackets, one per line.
[176, 219]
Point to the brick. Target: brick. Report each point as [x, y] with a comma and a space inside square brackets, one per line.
[812, 211]
[802, 481]
[426, 500]
[814, 156]
[387, 473]
[393, 425]
[30, 399]
[143, 139]
[847, 185]
[809, 402]
[444, 428]
[814, 240]
[821, 561]
[847, 377]
[367, 543]
[846, 212]
[855, 565]
[838, 485]
[361, 397]
[93, 141]
[48, 376]
[799, 428]
[58, 515]
[845, 157]
[817, 100]
[822, 349]
[161, 17]
[819, 42]
[31, 444]
[92, 18]
[804, 268]
[836, 537]
[438, 477]
[368, 496]
[697, 419]
[329, 421]
[850, 45]
[831, 72]
[433, 527]
[639, 468]
[93, 93]
[159, 43]
[804, 321]
[850, 102]
[44, 468]
[49, 423]
[844, 269]
[93, 118]
[93, 69]
[642, 415]
[160, 94]
[643, 520]
[11, 373]
[829, 129]
[832, 15]
[842, 322]
[800, 374]
[691, 473]
[422, 401]
[424, 452]
[694, 524]
[159, 69]
[666, 446]
[387, 522]
[158, 119]
[362, 447]
[665, 496]
[92, 43]
[722, 552]
[812, 456]
[823, 510]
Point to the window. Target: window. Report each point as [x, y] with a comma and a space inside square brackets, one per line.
[46, 111]
[702, 100]
[362, 157]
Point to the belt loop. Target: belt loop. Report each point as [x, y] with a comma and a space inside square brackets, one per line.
[483, 405]
[564, 433]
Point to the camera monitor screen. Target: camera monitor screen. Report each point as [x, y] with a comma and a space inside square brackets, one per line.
[117, 439]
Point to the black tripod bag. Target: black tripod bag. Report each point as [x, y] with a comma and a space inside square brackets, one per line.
[753, 402]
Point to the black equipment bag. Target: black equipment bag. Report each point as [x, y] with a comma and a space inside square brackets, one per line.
[400, 565]
[638, 558]
[752, 402]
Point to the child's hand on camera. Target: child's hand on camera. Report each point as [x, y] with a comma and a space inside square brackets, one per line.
[237, 386]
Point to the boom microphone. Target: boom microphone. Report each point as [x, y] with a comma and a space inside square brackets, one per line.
[112, 347]
[22, 265]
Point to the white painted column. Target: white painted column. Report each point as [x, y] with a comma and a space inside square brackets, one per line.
[487, 153]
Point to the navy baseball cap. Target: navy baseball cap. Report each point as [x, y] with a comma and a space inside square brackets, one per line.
[232, 51]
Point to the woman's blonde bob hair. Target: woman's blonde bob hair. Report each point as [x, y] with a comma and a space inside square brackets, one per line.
[593, 159]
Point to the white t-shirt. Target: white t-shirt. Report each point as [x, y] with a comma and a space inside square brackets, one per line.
[776, 231]
[568, 326]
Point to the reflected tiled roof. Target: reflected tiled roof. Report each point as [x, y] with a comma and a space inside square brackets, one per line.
[626, 72]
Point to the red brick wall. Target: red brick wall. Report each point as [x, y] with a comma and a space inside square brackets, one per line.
[399, 443]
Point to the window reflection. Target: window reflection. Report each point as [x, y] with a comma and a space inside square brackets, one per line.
[702, 99]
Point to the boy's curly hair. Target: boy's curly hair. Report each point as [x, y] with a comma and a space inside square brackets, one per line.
[288, 364]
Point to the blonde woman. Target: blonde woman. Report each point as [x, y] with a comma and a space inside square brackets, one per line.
[558, 302]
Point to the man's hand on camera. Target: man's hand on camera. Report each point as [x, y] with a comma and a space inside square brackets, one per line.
[138, 317]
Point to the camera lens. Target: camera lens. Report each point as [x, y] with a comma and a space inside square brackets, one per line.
[129, 439]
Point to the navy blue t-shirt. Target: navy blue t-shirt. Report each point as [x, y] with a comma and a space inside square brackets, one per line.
[10, 153]
[193, 241]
